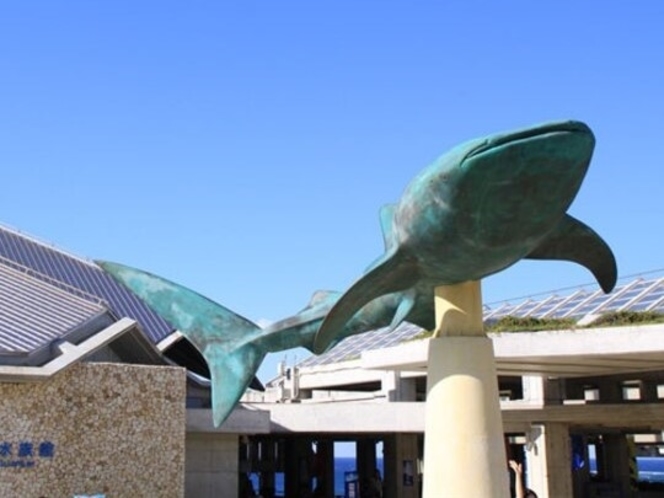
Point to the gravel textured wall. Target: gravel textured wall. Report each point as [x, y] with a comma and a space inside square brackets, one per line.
[96, 428]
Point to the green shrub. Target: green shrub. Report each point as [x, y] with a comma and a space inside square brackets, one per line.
[622, 318]
[529, 324]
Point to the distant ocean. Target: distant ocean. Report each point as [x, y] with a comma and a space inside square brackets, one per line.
[651, 469]
[341, 466]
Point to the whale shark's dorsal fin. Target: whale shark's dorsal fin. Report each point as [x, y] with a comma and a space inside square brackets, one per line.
[322, 296]
[387, 224]
[577, 242]
[387, 228]
[395, 271]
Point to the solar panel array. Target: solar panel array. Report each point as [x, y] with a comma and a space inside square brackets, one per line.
[80, 277]
[351, 347]
[637, 295]
[640, 294]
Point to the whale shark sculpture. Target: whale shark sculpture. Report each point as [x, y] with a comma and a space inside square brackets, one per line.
[477, 210]
[234, 346]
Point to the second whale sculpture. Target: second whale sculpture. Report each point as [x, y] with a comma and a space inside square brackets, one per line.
[234, 346]
[480, 208]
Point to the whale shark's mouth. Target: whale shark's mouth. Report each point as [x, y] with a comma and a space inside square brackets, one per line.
[534, 132]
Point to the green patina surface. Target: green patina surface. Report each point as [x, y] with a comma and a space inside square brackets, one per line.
[477, 210]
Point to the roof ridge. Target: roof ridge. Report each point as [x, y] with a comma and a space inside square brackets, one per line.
[47, 244]
[43, 279]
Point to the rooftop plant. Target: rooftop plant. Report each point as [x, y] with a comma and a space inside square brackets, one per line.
[623, 318]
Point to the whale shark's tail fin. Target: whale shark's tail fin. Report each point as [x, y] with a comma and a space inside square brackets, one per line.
[226, 340]
[577, 242]
[231, 373]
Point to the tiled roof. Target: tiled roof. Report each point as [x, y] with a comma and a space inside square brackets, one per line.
[34, 313]
[80, 277]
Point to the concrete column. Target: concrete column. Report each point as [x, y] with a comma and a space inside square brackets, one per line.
[610, 391]
[395, 388]
[325, 467]
[298, 459]
[267, 464]
[533, 388]
[211, 465]
[548, 460]
[574, 390]
[400, 462]
[366, 461]
[648, 391]
[464, 451]
[617, 460]
[538, 389]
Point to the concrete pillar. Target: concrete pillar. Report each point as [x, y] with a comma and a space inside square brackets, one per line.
[395, 388]
[366, 460]
[548, 460]
[648, 391]
[211, 465]
[298, 460]
[464, 451]
[610, 391]
[400, 462]
[538, 389]
[617, 460]
[533, 388]
[574, 390]
[267, 464]
[324, 467]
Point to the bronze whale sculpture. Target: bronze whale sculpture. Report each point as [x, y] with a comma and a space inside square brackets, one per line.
[233, 346]
[477, 210]
[480, 208]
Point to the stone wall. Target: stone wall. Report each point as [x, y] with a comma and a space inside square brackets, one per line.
[96, 428]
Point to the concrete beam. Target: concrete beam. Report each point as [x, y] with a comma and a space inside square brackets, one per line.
[566, 353]
[70, 354]
[381, 417]
[241, 421]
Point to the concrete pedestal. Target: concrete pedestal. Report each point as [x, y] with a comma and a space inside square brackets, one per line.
[464, 450]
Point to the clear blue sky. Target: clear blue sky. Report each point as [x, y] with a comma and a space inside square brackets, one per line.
[244, 148]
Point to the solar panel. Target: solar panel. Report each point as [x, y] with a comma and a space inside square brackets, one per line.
[638, 294]
[71, 273]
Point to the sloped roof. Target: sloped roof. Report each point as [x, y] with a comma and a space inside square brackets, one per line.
[79, 277]
[35, 313]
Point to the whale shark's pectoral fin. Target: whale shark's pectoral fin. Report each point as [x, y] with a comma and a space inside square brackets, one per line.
[577, 242]
[223, 337]
[406, 304]
[395, 271]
